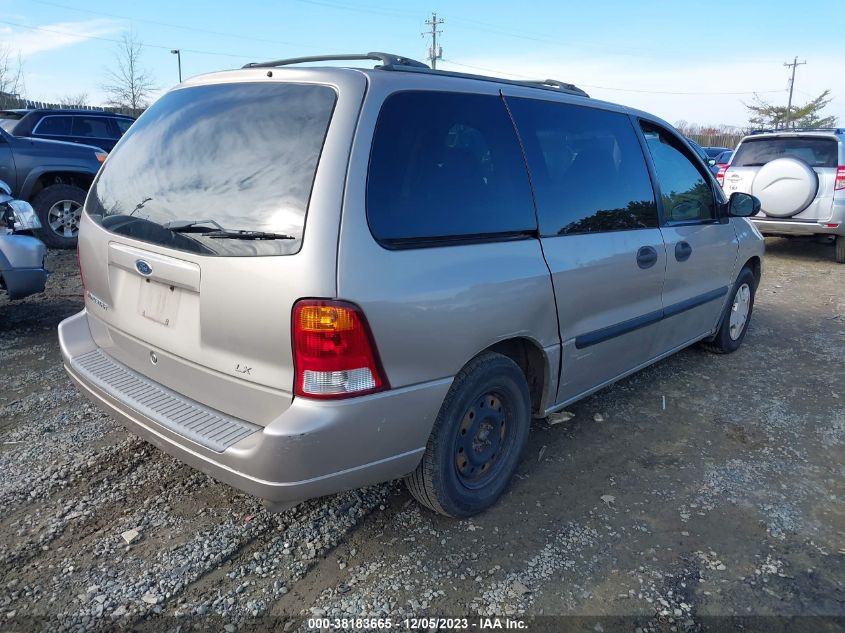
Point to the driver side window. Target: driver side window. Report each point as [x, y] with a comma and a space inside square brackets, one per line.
[686, 193]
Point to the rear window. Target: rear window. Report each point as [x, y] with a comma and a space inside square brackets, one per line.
[219, 170]
[816, 152]
[444, 167]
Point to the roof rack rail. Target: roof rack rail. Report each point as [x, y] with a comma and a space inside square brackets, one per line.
[387, 60]
[545, 84]
[554, 83]
[835, 130]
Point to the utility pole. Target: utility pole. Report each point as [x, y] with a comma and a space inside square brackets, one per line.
[795, 63]
[435, 52]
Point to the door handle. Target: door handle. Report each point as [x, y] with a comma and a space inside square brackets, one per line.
[683, 251]
[646, 257]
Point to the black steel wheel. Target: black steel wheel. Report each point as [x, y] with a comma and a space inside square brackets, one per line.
[477, 439]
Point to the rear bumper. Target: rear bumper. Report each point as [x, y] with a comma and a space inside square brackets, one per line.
[22, 265]
[312, 449]
[835, 225]
[22, 282]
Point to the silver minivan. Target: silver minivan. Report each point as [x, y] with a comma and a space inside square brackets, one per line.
[303, 280]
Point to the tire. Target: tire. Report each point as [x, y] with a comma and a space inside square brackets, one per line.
[785, 187]
[59, 207]
[732, 329]
[447, 481]
[839, 249]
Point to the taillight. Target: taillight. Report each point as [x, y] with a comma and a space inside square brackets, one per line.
[334, 353]
[839, 183]
[720, 175]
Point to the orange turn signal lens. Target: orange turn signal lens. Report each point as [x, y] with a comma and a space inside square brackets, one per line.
[316, 318]
[101, 156]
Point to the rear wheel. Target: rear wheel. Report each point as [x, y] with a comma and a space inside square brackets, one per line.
[737, 315]
[839, 249]
[59, 207]
[477, 440]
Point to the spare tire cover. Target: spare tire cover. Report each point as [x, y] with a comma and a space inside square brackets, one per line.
[785, 187]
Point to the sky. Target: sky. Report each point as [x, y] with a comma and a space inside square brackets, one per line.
[692, 61]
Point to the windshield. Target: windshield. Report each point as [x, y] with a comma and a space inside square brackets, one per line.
[816, 152]
[234, 157]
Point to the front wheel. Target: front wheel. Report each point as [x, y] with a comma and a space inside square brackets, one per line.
[59, 207]
[737, 316]
[477, 440]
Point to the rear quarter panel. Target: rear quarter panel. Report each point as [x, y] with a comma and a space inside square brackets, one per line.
[431, 310]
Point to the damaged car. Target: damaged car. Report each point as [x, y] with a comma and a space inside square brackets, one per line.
[22, 270]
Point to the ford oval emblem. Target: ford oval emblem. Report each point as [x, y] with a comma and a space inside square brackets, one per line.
[144, 268]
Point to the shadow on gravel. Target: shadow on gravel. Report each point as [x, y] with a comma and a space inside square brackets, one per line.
[42, 315]
[804, 248]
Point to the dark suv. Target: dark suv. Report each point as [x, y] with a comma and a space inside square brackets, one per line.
[90, 127]
[52, 176]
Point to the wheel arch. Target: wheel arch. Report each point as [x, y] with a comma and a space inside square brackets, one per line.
[44, 177]
[533, 362]
[756, 266]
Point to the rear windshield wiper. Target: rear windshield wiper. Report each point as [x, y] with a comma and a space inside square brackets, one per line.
[247, 235]
[192, 226]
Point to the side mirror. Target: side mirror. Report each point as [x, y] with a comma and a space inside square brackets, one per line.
[743, 205]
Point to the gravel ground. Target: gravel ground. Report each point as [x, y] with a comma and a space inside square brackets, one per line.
[702, 487]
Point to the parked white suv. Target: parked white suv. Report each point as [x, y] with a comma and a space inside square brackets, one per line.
[799, 177]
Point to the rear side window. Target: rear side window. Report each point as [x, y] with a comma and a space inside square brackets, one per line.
[444, 166]
[587, 168]
[93, 127]
[816, 152]
[123, 125]
[222, 169]
[54, 126]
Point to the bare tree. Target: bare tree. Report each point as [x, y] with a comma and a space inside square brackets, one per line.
[74, 101]
[128, 85]
[11, 74]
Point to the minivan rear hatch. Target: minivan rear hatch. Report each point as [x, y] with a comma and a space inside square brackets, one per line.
[192, 248]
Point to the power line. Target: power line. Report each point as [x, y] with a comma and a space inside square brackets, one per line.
[640, 90]
[109, 39]
[169, 24]
[394, 13]
[570, 43]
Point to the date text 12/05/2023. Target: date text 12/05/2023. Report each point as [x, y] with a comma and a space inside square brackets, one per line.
[417, 624]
